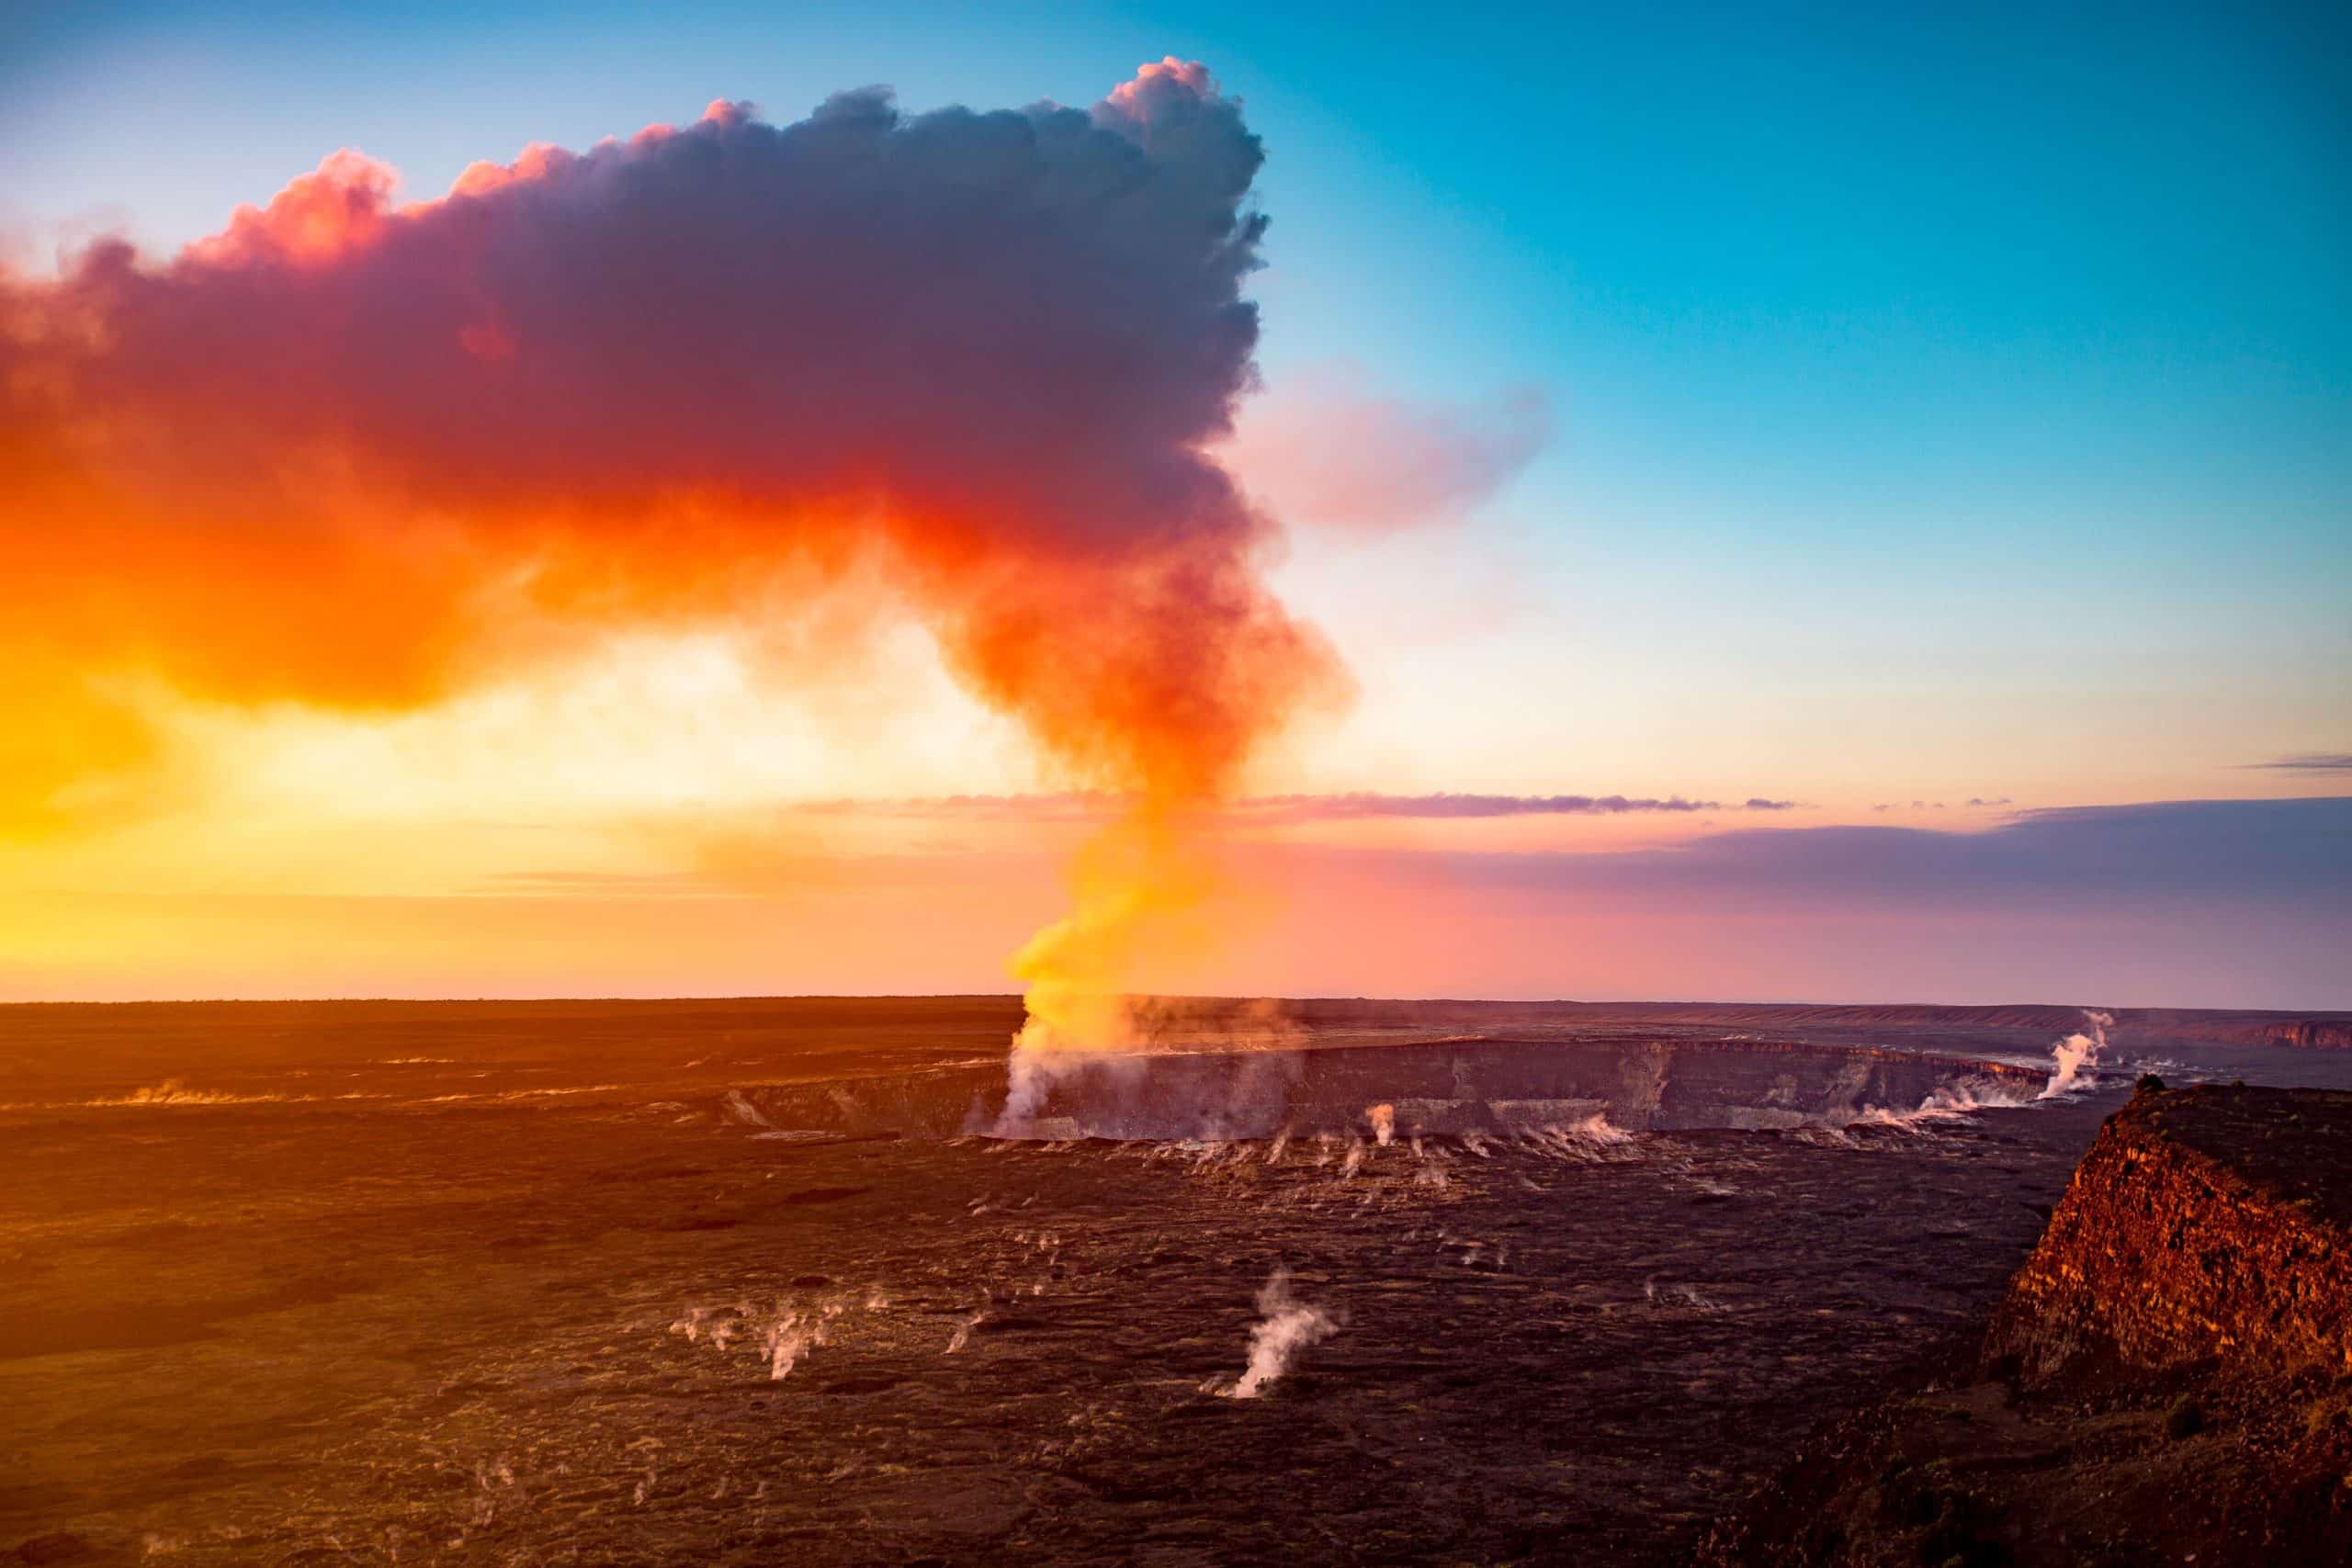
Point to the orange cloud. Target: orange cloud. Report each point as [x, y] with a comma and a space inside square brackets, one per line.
[337, 208]
[360, 454]
[353, 453]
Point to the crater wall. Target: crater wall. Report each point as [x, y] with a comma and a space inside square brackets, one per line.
[1441, 1088]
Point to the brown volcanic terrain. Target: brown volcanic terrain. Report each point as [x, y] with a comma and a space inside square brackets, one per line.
[723, 1282]
[2167, 1379]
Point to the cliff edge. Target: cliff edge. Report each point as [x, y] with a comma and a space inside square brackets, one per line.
[2167, 1379]
[2211, 1226]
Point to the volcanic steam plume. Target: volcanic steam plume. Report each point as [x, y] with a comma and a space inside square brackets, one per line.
[356, 452]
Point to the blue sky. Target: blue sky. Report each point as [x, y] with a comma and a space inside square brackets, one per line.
[1947, 403]
[1883, 342]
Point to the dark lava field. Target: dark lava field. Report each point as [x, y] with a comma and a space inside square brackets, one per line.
[737, 1282]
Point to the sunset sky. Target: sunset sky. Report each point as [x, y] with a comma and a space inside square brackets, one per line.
[1831, 502]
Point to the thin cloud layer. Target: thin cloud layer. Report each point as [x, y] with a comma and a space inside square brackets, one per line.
[1326, 451]
[2244, 850]
[2307, 762]
[1340, 807]
[1283, 808]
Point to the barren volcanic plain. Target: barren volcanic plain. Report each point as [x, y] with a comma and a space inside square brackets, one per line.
[763, 1281]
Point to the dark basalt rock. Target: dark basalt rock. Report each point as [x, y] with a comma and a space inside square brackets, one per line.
[2168, 1377]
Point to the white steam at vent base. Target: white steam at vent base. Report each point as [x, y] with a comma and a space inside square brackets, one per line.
[2075, 1060]
[1288, 1326]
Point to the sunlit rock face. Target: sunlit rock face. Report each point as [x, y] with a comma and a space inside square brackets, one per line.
[2311, 1034]
[2206, 1226]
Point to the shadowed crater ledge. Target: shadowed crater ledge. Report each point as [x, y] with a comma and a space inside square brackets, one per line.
[2167, 1379]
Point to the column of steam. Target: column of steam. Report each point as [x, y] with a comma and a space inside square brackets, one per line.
[1220, 669]
[985, 353]
[1177, 662]
[1135, 886]
[1217, 686]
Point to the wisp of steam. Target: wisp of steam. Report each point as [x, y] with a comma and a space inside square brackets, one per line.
[1286, 1326]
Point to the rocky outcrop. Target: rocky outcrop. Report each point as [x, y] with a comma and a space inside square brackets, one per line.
[2167, 1381]
[2206, 1226]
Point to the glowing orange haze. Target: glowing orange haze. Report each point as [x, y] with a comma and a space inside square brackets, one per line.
[361, 455]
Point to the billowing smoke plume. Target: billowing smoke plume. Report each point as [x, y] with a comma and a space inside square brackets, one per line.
[2073, 1061]
[1286, 1326]
[353, 451]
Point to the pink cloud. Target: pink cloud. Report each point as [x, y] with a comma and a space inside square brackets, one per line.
[1319, 450]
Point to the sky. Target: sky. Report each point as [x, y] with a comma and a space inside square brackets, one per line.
[1904, 456]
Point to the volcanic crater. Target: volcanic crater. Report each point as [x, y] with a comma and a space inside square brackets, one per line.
[737, 1281]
